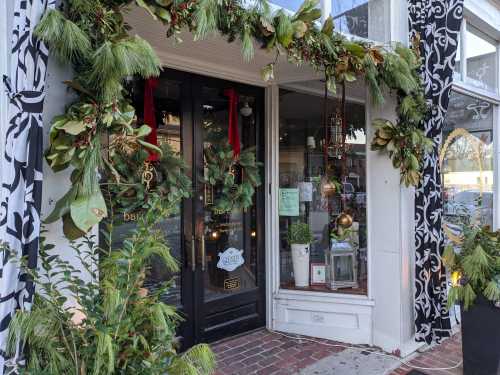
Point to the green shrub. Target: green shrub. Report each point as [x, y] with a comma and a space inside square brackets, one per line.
[116, 326]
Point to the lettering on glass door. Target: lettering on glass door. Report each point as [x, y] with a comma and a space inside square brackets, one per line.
[230, 259]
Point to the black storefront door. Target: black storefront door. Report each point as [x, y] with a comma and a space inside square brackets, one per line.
[220, 288]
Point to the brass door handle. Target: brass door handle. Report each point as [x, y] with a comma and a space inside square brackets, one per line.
[203, 253]
[193, 254]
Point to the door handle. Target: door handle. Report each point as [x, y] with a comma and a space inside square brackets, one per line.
[203, 253]
[193, 254]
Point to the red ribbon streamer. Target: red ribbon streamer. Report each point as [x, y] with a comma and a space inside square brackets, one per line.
[150, 116]
[233, 134]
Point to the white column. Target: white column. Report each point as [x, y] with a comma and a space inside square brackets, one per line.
[271, 187]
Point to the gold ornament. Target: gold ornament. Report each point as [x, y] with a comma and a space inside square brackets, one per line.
[147, 174]
[344, 220]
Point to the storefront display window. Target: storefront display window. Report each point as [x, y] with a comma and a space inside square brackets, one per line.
[322, 183]
[467, 162]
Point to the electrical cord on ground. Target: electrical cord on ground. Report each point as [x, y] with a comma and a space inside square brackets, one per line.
[403, 362]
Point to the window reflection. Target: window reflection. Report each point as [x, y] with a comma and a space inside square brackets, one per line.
[481, 60]
[467, 162]
[328, 190]
[351, 17]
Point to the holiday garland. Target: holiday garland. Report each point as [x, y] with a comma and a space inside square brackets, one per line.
[91, 36]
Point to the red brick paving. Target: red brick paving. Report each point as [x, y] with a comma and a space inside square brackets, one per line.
[266, 353]
[448, 354]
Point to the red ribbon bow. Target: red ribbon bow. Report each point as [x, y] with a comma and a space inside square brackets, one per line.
[233, 134]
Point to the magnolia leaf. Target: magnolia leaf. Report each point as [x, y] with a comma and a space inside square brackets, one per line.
[87, 211]
[74, 127]
[355, 49]
[150, 146]
[299, 29]
[349, 77]
[142, 4]
[307, 6]
[310, 16]
[70, 230]
[328, 26]
[164, 3]
[62, 207]
[163, 14]
[267, 72]
[331, 85]
[143, 131]
[266, 26]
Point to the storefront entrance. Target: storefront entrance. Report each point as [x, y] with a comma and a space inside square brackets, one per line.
[220, 288]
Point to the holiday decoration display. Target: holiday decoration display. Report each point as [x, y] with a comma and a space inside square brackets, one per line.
[234, 177]
[91, 36]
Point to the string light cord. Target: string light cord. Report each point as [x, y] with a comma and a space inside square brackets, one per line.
[372, 351]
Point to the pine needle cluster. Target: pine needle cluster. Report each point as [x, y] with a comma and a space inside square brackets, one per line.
[109, 324]
[475, 266]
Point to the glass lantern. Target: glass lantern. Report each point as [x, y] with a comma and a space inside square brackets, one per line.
[341, 265]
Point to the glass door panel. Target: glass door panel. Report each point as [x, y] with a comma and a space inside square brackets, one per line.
[229, 237]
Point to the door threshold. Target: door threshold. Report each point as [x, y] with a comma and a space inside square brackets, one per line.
[229, 338]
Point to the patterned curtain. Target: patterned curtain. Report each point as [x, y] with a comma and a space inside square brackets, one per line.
[436, 23]
[21, 164]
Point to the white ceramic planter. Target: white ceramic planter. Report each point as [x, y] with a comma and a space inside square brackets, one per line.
[300, 260]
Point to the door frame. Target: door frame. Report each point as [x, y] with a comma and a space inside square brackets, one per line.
[194, 306]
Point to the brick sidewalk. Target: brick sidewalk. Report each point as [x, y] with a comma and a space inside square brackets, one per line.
[263, 352]
[447, 354]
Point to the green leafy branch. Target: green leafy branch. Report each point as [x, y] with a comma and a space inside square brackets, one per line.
[475, 266]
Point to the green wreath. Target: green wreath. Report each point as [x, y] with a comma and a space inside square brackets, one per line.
[234, 179]
[129, 189]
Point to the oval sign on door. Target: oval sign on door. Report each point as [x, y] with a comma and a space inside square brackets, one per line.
[230, 259]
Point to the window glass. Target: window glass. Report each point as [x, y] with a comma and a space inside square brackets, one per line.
[481, 60]
[291, 5]
[361, 18]
[167, 101]
[321, 189]
[467, 162]
[351, 17]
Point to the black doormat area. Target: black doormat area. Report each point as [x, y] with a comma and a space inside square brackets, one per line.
[416, 372]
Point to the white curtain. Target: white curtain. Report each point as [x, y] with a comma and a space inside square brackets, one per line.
[21, 165]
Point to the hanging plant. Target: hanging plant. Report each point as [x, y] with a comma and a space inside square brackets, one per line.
[233, 178]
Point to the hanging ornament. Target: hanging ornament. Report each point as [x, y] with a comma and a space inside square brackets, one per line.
[344, 220]
[147, 174]
[336, 145]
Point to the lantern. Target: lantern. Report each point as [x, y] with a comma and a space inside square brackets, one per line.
[341, 261]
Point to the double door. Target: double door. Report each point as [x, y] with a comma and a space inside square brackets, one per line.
[220, 288]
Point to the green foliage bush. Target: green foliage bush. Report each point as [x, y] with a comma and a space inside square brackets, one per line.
[475, 266]
[109, 324]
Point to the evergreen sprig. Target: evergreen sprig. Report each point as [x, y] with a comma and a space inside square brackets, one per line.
[475, 265]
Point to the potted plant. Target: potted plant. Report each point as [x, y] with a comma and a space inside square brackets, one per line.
[474, 263]
[300, 238]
